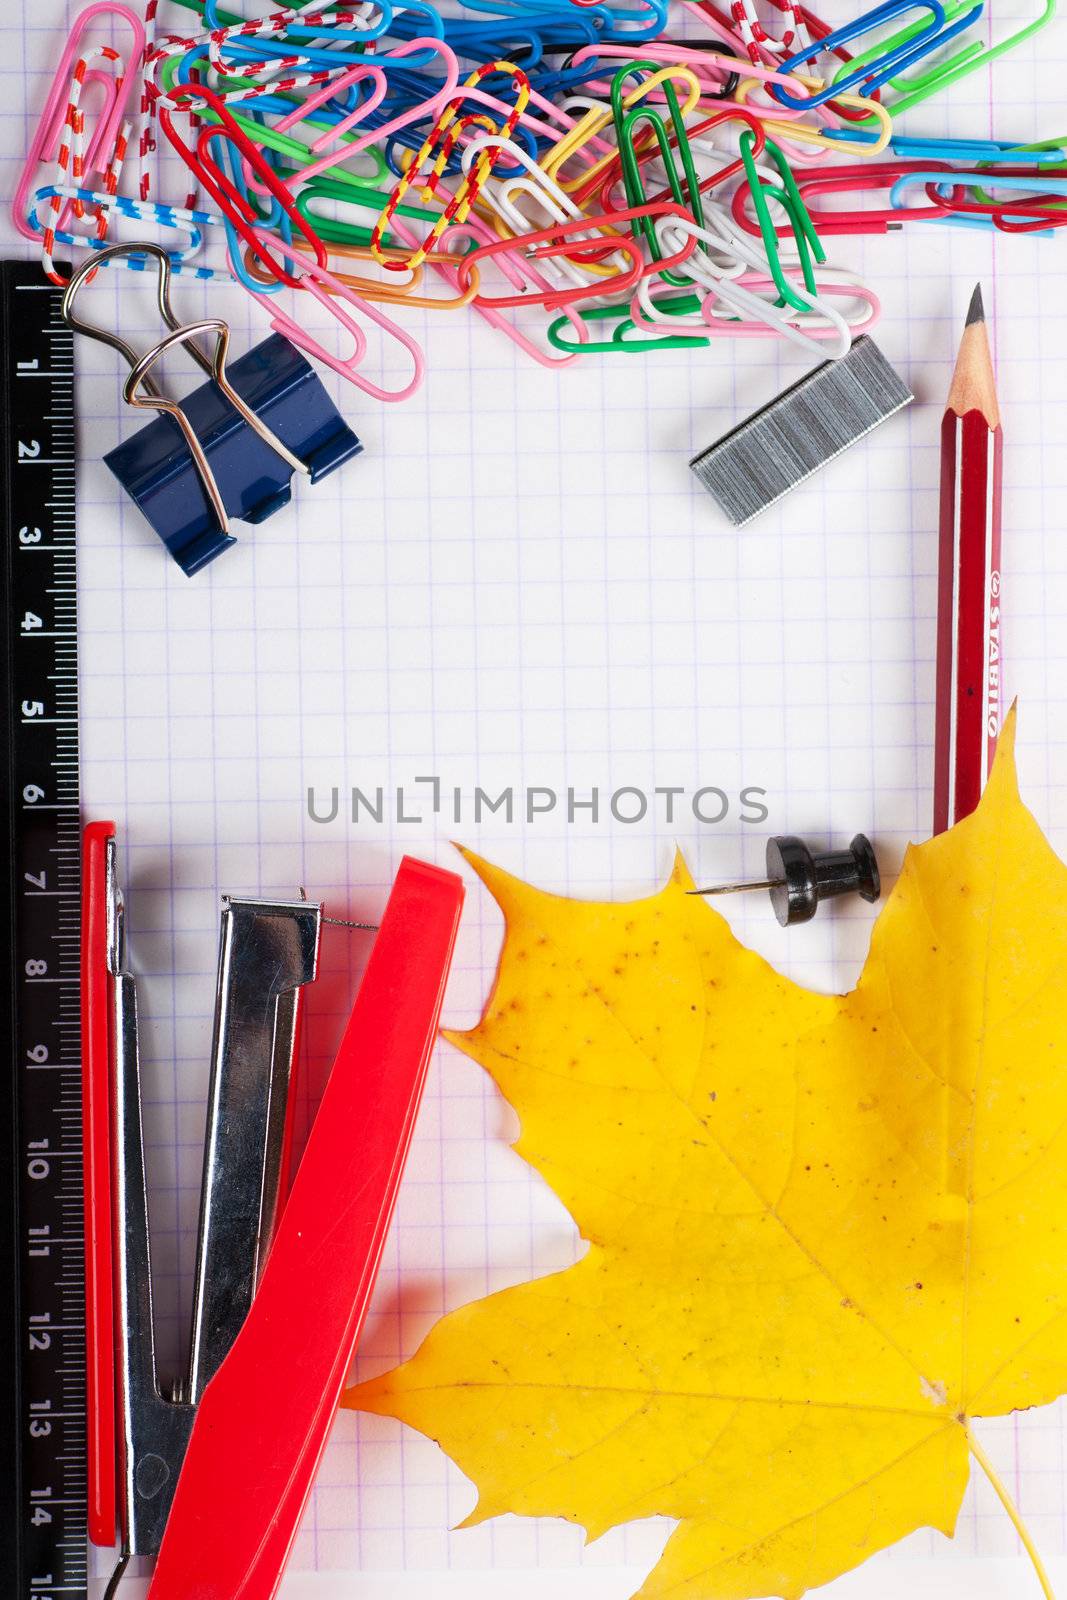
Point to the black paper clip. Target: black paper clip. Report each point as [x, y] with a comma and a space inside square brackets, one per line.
[231, 447]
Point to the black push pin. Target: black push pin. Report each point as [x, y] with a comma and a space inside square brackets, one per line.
[798, 880]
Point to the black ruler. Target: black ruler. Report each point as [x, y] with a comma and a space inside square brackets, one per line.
[43, 1552]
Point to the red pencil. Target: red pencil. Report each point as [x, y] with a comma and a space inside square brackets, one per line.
[968, 596]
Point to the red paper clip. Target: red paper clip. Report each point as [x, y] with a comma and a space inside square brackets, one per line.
[846, 180]
[221, 188]
[559, 240]
[1027, 214]
[515, 267]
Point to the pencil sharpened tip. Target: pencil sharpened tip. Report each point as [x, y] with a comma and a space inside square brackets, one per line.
[976, 309]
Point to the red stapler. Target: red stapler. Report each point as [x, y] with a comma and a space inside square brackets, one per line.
[211, 1477]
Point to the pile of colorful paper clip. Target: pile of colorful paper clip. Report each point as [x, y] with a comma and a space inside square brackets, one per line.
[631, 188]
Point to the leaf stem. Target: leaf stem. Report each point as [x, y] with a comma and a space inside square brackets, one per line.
[1006, 1501]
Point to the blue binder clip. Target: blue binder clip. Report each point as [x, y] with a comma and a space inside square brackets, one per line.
[229, 449]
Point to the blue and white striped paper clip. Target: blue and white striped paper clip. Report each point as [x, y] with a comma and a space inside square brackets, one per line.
[191, 223]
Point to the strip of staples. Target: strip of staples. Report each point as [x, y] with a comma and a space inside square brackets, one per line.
[800, 430]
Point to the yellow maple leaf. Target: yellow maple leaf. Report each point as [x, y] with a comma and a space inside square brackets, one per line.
[824, 1231]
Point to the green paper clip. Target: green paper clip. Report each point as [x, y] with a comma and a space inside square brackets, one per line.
[969, 59]
[678, 305]
[789, 198]
[334, 230]
[644, 228]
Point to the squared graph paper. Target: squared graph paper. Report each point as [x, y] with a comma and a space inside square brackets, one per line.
[519, 585]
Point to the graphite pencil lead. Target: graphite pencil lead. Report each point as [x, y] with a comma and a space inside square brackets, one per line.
[976, 309]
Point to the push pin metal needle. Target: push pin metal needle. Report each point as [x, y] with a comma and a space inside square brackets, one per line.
[798, 879]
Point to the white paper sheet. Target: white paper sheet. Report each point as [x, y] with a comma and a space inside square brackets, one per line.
[520, 585]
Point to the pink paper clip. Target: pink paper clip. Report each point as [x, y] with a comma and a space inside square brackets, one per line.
[330, 292]
[344, 149]
[417, 113]
[44, 146]
[703, 63]
[730, 326]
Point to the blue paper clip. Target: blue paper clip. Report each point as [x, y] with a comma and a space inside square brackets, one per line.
[231, 447]
[1036, 187]
[973, 151]
[871, 75]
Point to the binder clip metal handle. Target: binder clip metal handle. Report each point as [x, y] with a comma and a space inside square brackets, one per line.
[189, 498]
